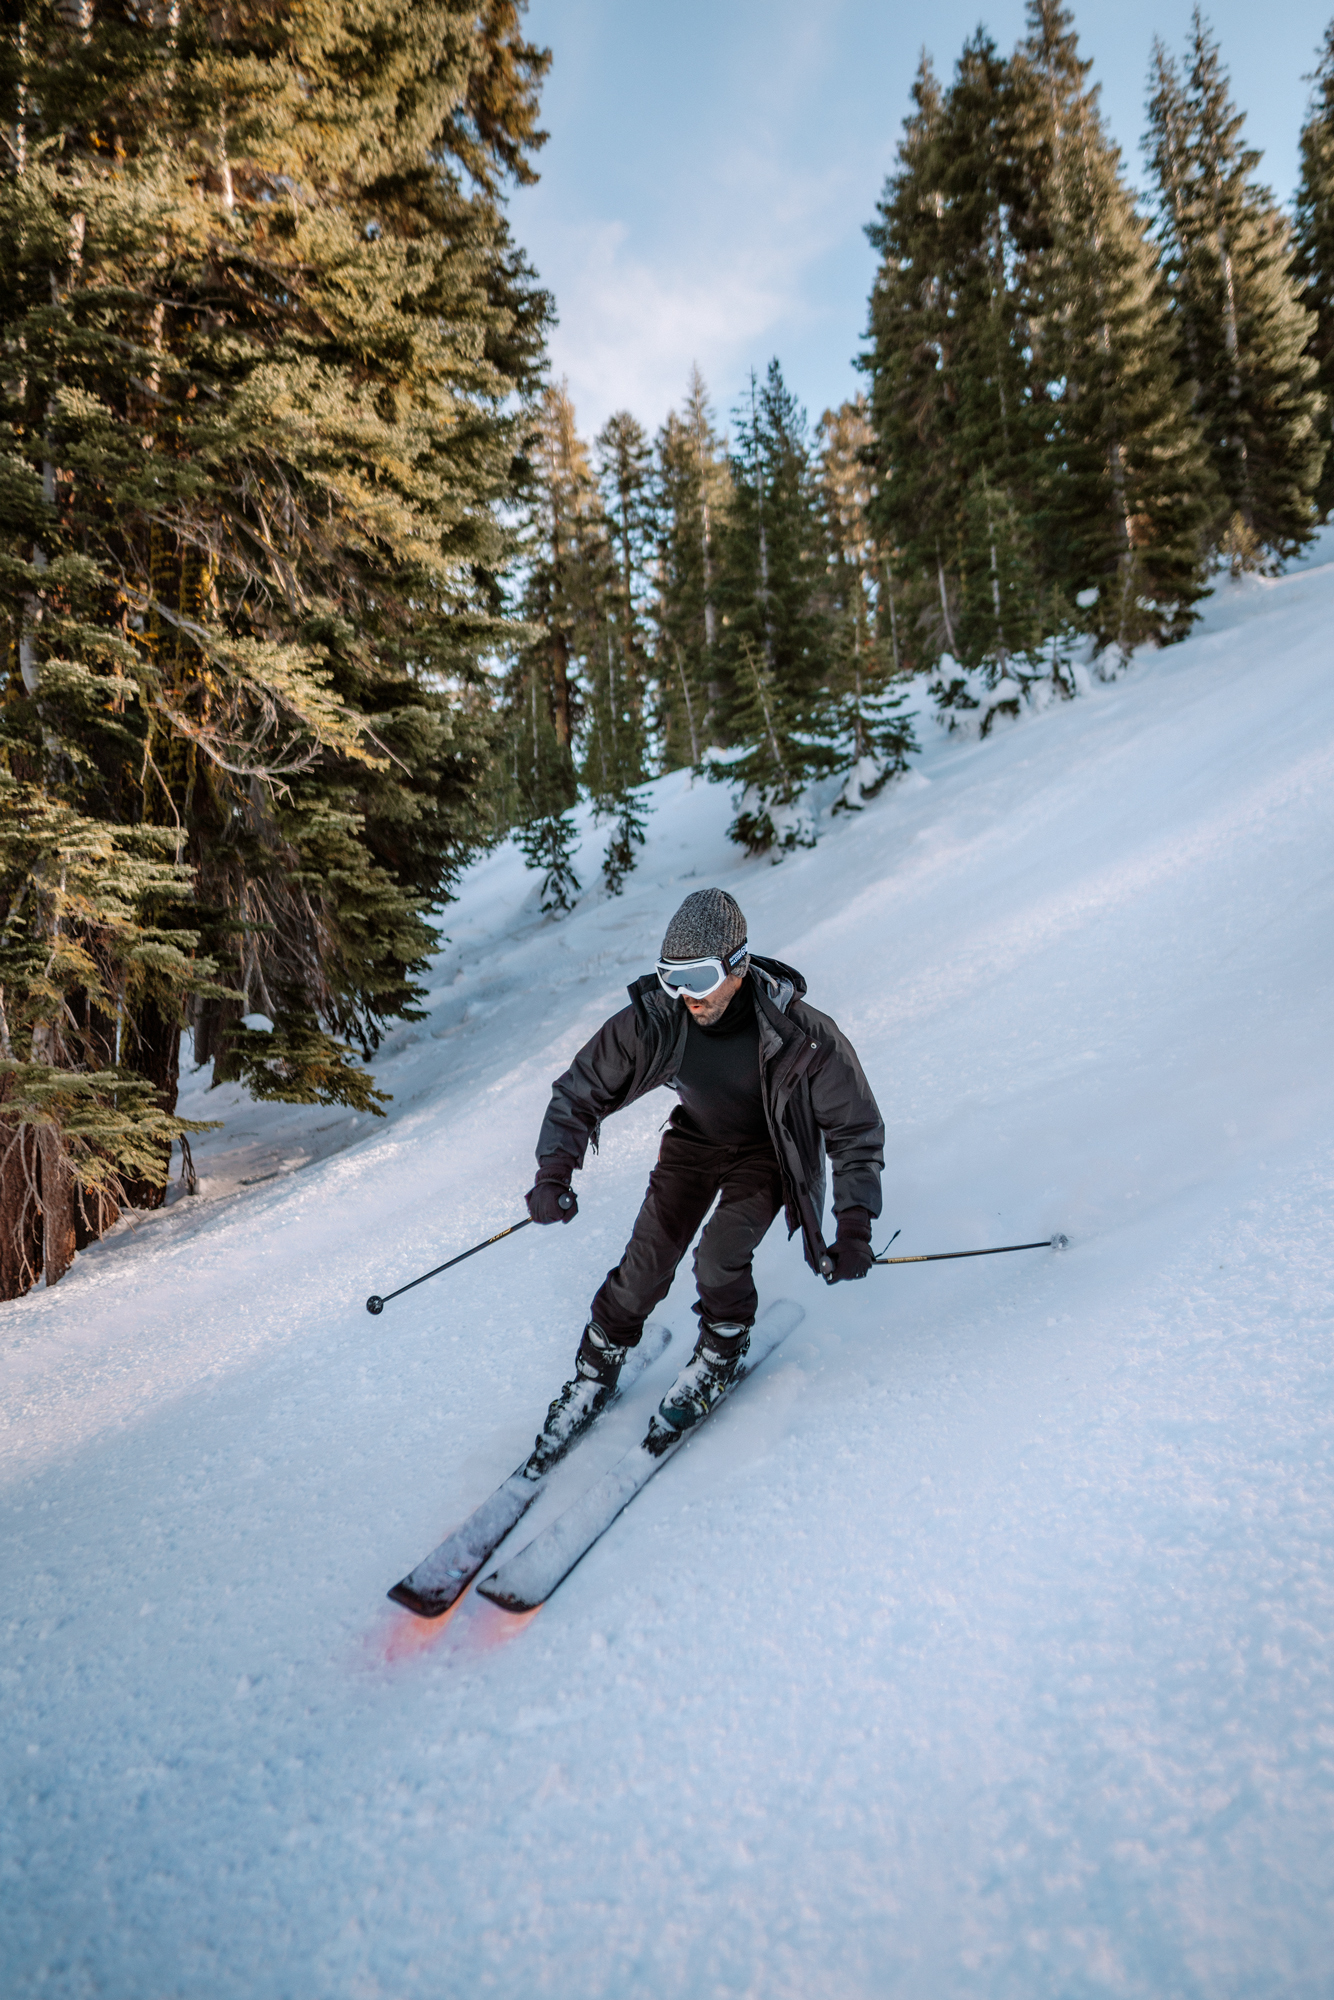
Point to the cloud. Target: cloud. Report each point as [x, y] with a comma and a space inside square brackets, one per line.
[728, 288]
[631, 326]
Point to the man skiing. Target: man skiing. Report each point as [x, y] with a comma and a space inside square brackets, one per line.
[766, 1087]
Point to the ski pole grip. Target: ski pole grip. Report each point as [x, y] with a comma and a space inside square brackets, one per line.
[564, 1201]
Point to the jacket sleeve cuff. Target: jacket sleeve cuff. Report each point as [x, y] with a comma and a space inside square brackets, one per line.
[556, 1167]
[854, 1223]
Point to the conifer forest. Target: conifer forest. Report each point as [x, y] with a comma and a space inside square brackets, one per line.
[313, 587]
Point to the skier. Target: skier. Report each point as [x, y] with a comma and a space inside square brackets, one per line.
[766, 1086]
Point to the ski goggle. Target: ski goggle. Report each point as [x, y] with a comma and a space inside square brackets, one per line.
[698, 976]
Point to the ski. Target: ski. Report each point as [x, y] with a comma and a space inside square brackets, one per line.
[528, 1578]
[442, 1577]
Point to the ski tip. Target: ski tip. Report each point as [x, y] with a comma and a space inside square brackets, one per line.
[1059, 1242]
[404, 1594]
[495, 1593]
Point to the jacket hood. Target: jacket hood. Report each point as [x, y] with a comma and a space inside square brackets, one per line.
[782, 983]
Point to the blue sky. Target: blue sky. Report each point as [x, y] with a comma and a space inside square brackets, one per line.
[711, 167]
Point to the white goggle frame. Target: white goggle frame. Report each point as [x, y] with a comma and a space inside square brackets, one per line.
[699, 977]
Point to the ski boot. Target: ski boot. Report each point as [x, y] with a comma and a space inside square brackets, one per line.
[703, 1381]
[597, 1367]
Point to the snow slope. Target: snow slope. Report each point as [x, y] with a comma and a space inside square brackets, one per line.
[982, 1646]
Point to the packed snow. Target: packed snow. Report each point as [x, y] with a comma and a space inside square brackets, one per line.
[982, 1645]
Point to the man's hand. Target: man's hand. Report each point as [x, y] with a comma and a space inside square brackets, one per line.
[551, 1198]
[851, 1255]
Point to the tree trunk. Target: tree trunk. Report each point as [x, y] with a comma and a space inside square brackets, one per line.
[945, 607]
[560, 688]
[213, 1021]
[58, 1205]
[153, 1050]
[20, 1213]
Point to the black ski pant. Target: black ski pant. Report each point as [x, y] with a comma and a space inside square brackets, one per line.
[748, 1185]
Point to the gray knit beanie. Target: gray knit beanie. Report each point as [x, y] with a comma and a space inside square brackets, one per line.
[709, 924]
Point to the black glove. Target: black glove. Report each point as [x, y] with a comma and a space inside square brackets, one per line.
[851, 1255]
[551, 1198]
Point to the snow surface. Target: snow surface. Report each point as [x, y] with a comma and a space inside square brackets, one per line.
[982, 1646]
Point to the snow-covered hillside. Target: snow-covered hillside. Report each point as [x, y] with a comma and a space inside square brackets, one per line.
[982, 1646]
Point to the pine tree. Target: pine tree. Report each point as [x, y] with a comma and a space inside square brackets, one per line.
[569, 575]
[951, 367]
[773, 623]
[1244, 330]
[1313, 260]
[92, 944]
[994, 435]
[1122, 500]
[261, 318]
[875, 739]
[1001, 602]
[693, 491]
[1033, 447]
[912, 397]
[617, 744]
[1119, 507]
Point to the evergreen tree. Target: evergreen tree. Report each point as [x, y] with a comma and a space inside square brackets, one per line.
[1244, 330]
[951, 365]
[1032, 444]
[875, 739]
[994, 438]
[1313, 261]
[616, 749]
[912, 400]
[1121, 501]
[92, 945]
[693, 487]
[1000, 597]
[569, 575]
[262, 319]
[772, 650]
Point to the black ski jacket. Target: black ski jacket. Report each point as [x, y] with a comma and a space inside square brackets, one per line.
[816, 1098]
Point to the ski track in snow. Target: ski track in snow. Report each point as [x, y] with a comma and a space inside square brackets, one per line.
[982, 1646]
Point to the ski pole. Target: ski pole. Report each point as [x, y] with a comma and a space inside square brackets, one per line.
[376, 1304]
[941, 1256]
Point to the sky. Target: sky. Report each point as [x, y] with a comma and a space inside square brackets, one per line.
[712, 165]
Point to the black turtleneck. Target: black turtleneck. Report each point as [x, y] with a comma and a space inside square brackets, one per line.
[719, 1078]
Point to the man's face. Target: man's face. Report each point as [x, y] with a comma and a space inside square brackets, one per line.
[712, 1009]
